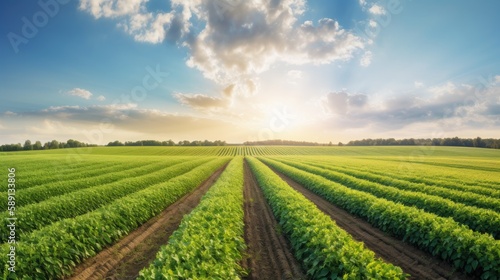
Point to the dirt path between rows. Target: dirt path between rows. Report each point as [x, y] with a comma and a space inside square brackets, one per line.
[126, 258]
[419, 264]
[269, 255]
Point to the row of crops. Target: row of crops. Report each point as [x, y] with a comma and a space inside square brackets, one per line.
[468, 250]
[325, 250]
[58, 233]
[91, 204]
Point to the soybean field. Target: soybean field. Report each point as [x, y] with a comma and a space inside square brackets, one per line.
[251, 212]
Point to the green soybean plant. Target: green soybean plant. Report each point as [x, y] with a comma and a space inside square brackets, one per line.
[209, 241]
[325, 250]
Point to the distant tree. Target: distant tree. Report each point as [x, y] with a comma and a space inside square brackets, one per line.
[195, 143]
[168, 143]
[478, 142]
[116, 143]
[27, 145]
[72, 143]
[54, 144]
[37, 145]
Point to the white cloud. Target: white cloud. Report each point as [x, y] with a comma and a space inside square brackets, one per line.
[447, 88]
[449, 107]
[238, 40]
[362, 3]
[377, 10]
[10, 113]
[372, 23]
[418, 84]
[101, 98]
[366, 60]
[82, 93]
[134, 18]
[497, 79]
[103, 123]
[148, 27]
[342, 103]
[234, 56]
[200, 101]
[111, 8]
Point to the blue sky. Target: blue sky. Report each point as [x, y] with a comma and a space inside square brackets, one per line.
[105, 70]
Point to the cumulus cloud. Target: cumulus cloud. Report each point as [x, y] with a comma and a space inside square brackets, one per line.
[101, 98]
[127, 117]
[134, 18]
[238, 39]
[9, 113]
[228, 91]
[342, 103]
[111, 8]
[366, 59]
[377, 10]
[79, 92]
[459, 104]
[239, 47]
[200, 101]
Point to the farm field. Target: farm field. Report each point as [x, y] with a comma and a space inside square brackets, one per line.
[252, 212]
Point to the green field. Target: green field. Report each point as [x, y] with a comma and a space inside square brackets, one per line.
[70, 204]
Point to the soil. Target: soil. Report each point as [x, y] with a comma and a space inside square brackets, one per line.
[417, 263]
[269, 255]
[126, 258]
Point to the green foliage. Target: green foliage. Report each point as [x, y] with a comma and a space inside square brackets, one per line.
[35, 216]
[209, 242]
[83, 180]
[472, 252]
[471, 195]
[326, 251]
[482, 220]
[52, 252]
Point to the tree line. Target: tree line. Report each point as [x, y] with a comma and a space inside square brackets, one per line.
[54, 144]
[167, 143]
[477, 142]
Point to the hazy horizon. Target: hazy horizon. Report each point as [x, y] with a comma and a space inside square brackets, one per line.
[317, 71]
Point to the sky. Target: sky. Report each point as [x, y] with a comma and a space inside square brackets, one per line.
[247, 70]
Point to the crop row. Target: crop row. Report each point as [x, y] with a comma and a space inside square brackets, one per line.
[34, 174]
[325, 250]
[469, 174]
[209, 241]
[482, 220]
[470, 251]
[42, 192]
[35, 216]
[53, 251]
[391, 178]
[457, 195]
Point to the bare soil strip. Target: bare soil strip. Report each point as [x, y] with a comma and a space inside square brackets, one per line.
[126, 258]
[269, 255]
[419, 264]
